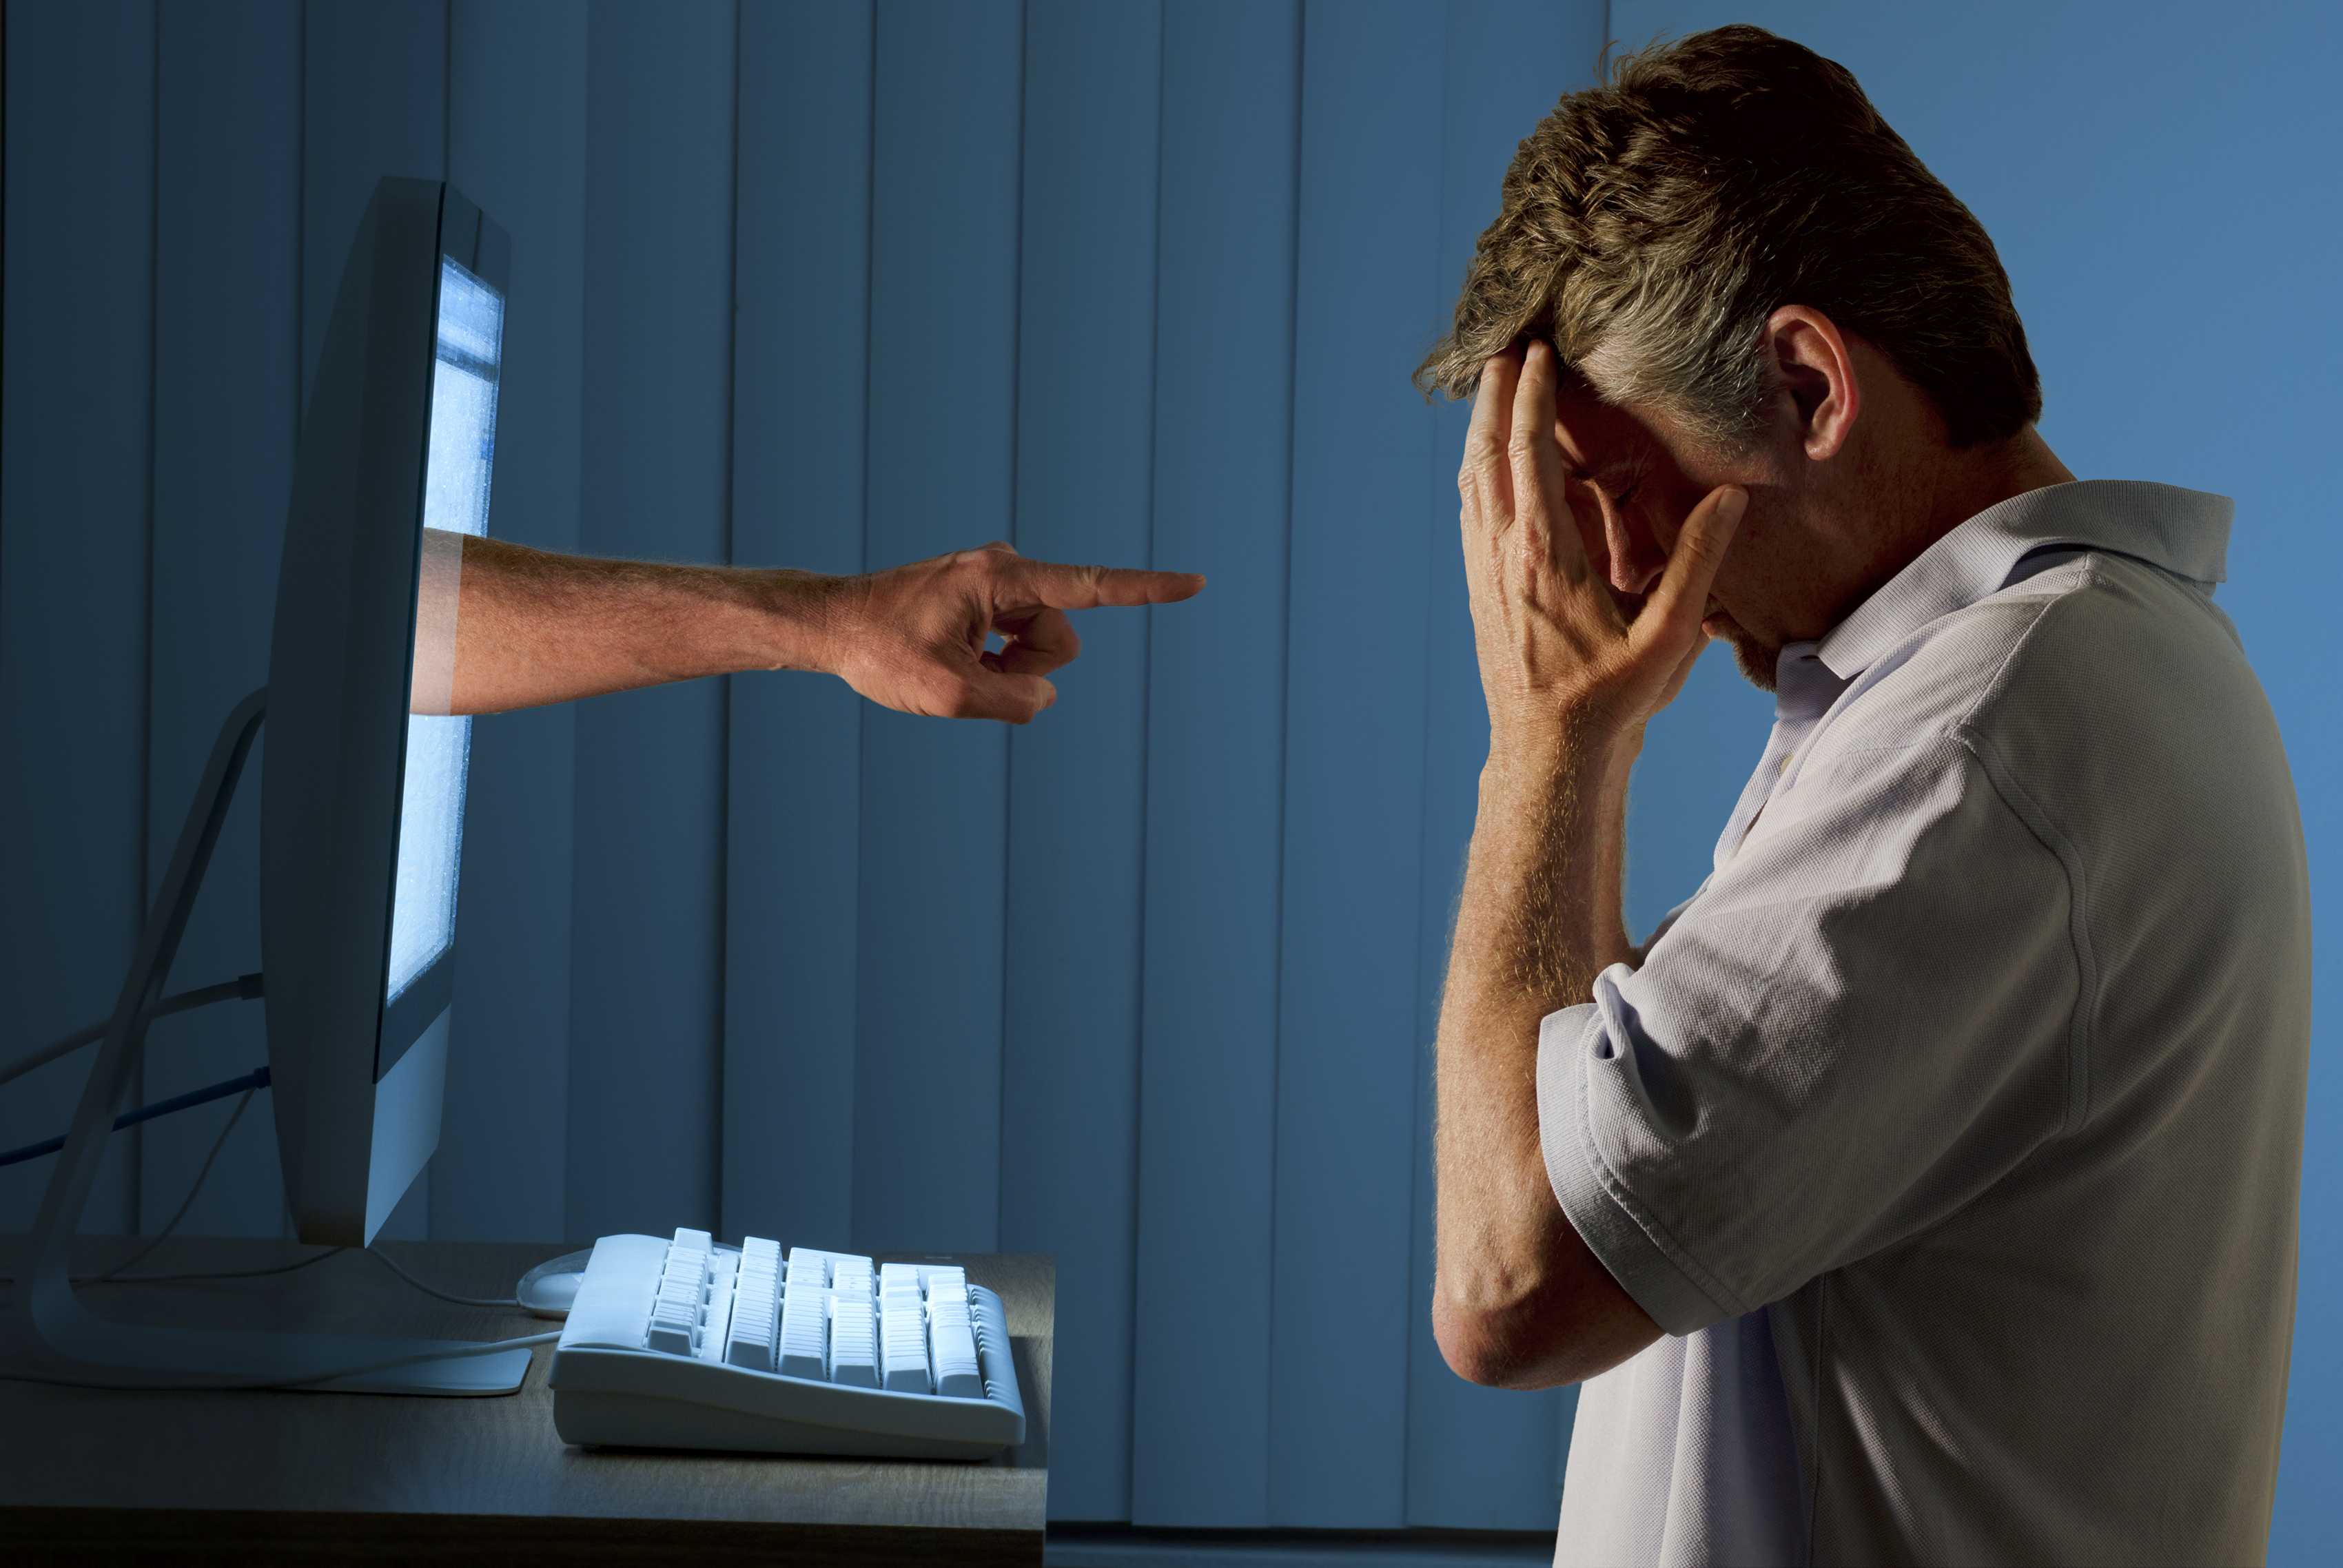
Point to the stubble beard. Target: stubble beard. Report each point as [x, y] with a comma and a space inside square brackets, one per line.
[1757, 661]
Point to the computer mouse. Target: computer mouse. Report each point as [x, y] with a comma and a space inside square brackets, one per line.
[548, 1290]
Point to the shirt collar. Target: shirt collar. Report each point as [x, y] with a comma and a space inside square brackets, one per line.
[2184, 532]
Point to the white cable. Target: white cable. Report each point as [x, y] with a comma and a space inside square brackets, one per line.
[113, 1278]
[217, 1144]
[114, 1275]
[384, 1259]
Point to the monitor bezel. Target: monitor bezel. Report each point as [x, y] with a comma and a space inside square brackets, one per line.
[356, 1103]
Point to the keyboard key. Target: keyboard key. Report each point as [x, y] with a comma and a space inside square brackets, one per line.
[749, 1341]
[850, 1276]
[804, 1344]
[674, 1324]
[853, 1343]
[952, 1344]
[903, 1337]
[681, 1305]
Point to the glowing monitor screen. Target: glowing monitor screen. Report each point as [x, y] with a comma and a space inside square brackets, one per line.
[454, 499]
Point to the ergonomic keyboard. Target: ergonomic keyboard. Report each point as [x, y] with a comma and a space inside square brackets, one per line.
[684, 1343]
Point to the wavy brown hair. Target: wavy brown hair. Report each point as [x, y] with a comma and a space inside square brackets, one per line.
[1651, 224]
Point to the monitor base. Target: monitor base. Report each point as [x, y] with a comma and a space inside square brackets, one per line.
[59, 1341]
[48, 1335]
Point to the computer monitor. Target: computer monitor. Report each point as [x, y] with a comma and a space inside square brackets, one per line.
[362, 803]
[361, 828]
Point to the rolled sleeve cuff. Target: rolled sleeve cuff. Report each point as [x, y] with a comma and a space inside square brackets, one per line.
[1639, 1254]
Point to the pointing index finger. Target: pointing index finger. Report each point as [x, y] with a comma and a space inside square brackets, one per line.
[1061, 587]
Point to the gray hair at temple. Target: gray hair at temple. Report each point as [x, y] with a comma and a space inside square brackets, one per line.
[1651, 224]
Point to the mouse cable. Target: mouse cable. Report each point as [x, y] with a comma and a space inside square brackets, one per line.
[384, 1259]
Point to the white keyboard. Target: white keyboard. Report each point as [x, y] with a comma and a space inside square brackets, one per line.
[683, 1343]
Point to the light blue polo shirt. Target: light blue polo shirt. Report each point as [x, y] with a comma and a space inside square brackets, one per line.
[1953, 1130]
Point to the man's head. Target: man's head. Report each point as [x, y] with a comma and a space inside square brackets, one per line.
[1751, 280]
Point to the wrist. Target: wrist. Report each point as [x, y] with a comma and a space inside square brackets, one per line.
[800, 617]
[1579, 745]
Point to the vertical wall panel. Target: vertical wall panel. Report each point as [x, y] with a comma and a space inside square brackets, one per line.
[73, 539]
[374, 102]
[799, 392]
[516, 146]
[227, 325]
[646, 998]
[374, 95]
[1216, 720]
[1069, 1082]
[1362, 444]
[943, 367]
[1477, 1458]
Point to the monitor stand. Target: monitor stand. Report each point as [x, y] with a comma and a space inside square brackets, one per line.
[47, 1335]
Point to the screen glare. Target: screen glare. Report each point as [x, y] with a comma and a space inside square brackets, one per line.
[439, 746]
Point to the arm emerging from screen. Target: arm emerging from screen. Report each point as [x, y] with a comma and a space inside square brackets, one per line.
[532, 627]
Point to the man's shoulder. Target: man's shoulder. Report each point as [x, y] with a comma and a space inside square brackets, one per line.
[2111, 706]
[2094, 642]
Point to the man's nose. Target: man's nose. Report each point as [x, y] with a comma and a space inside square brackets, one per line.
[1636, 559]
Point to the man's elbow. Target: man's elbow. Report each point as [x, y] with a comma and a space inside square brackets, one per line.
[1470, 1352]
[1540, 1343]
[1487, 1348]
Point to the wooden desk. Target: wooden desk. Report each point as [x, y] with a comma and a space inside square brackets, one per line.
[88, 1475]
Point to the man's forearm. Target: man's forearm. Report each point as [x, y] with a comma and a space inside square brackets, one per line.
[535, 627]
[1572, 667]
[1538, 918]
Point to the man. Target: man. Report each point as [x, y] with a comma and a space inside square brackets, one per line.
[500, 626]
[1924, 1190]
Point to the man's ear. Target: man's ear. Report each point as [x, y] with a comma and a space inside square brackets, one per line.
[1817, 375]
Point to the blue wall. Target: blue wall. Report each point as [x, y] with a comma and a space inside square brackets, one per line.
[1149, 985]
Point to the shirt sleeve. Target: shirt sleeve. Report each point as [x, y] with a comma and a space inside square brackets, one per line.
[1866, 1016]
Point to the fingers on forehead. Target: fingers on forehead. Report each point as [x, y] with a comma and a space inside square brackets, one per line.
[1530, 447]
[1534, 401]
[1494, 397]
[1692, 568]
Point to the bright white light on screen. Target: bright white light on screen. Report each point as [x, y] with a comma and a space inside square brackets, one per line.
[456, 498]
[463, 404]
[431, 842]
